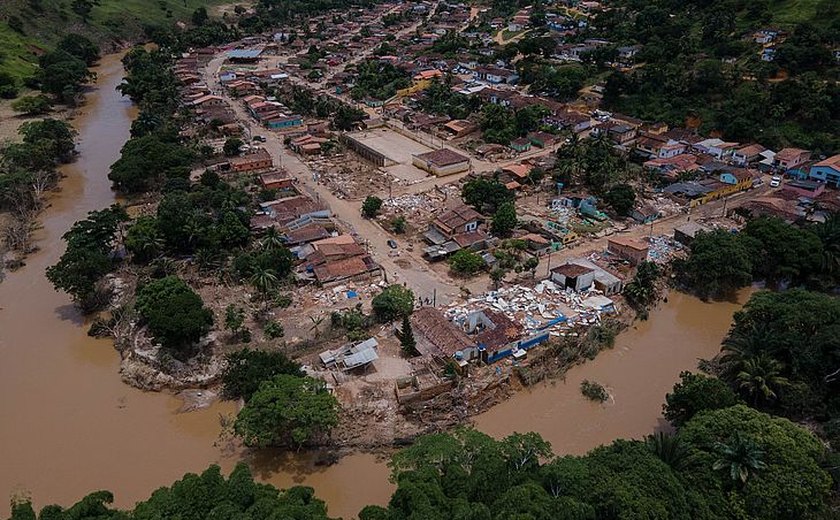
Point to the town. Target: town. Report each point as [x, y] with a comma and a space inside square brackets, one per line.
[395, 146]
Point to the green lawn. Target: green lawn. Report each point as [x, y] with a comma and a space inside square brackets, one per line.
[111, 21]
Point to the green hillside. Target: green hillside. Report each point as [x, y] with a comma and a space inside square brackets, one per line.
[28, 26]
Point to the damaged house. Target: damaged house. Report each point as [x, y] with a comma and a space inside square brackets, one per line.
[454, 230]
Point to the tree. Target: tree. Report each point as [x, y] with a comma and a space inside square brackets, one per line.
[641, 291]
[717, 265]
[486, 195]
[740, 457]
[62, 75]
[785, 341]
[287, 411]
[32, 105]
[234, 320]
[791, 485]
[504, 220]
[406, 337]
[83, 7]
[246, 369]
[371, 206]
[760, 378]
[147, 162]
[780, 251]
[264, 280]
[200, 17]
[81, 47]
[669, 448]
[56, 137]
[88, 257]
[398, 225]
[233, 147]
[143, 239]
[208, 496]
[77, 272]
[696, 393]
[622, 198]
[174, 313]
[395, 301]
[497, 275]
[466, 262]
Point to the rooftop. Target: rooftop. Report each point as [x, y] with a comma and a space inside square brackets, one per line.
[442, 157]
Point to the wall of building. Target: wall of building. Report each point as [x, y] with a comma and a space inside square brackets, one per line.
[368, 153]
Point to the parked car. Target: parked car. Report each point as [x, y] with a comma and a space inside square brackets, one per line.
[775, 181]
[258, 138]
[392, 244]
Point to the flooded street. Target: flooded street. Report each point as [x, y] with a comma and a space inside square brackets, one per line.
[69, 425]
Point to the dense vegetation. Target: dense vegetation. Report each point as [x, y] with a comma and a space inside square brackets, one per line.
[155, 153]
[30, 26]
[767, 249]
[701, 66]
[378, 80]
[209, 495]
[288, 411]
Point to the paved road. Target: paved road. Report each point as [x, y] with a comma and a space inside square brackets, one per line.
[418, 276]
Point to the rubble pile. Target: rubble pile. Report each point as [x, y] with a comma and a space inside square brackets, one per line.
[545, 306]
[344, 293]
[663, 249]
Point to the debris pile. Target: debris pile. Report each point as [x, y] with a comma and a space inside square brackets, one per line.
[545, 306]
[663, 249]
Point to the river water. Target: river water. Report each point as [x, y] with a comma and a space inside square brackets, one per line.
[69, 426]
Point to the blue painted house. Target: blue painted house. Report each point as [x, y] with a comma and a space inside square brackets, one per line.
[827, 171]
[497, 337]
[283, 122]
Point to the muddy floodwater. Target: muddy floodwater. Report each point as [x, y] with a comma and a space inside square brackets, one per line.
[69, 426]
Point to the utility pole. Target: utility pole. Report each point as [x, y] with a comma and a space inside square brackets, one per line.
[548, 263]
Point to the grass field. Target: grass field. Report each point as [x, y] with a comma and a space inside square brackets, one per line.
[112, 21]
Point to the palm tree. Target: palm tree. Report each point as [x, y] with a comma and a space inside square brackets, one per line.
[760, 377]
[264, 280]
[829, 234]
[272, 240]
[669, 448]
[740, 457]
[316, 325]
[741, 345]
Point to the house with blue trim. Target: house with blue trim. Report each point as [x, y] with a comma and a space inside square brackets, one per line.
[497, 336]
[279, 123]
[827, 171]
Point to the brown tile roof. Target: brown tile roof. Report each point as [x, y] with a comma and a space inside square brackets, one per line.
[571, 270]
[831, 162]
[632, 243]
[787, 154]
[457, 217]
[443, 336]
[306, 234]
[504, 332]
[442, 157]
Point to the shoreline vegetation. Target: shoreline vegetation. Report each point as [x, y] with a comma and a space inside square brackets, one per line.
[29, 165]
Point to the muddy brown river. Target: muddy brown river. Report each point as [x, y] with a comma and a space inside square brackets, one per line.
[69, 426]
